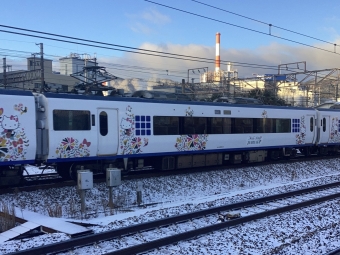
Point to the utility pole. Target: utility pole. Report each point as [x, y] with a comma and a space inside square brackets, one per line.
[85, 62]
[95, 74]
[337, 87]
[4, 71]
[42, 68]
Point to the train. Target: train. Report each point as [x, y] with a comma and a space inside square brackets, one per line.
[71, 131]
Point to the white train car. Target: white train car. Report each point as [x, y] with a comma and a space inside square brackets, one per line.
[70, 131]
[17, 134]
[133, 132]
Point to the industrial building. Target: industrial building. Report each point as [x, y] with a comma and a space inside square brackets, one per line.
[30, 79]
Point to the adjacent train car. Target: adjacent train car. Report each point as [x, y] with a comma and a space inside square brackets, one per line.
[328, 125]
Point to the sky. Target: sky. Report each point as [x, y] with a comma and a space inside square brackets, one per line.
[148, 25]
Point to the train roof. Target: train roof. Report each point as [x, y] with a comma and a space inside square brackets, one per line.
[137, 99]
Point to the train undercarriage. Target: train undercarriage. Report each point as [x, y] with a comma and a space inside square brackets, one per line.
[69, 170]
[13, 175]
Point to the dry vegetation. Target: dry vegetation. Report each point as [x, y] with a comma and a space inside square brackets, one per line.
[7, 216]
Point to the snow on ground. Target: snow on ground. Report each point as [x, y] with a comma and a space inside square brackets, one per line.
[308, 231]
[31, 170]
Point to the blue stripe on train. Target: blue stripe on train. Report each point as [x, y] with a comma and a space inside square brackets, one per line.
[176, 153]
[21, 162]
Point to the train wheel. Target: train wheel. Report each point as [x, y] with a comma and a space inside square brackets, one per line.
[63, 170]
[73, 171]
[274, 155]
[306, 151]
[323, 151]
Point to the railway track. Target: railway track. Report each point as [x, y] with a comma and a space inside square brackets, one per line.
[167, 231]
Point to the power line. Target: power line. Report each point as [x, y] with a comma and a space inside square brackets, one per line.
[143, 68]
[262, 22]
[190, 58]
[246, 28]
[110, 44]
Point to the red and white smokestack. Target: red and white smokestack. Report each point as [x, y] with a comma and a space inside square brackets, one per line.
[217, 58]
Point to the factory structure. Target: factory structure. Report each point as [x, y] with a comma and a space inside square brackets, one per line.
[303, 88]
[74, 70]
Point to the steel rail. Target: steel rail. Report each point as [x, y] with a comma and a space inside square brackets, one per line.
[112, 234]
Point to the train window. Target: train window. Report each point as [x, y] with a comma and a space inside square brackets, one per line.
[216, 126]
[165, 125]
[189, 125]
[71, 120]
[242, 125]
[324, 125]
[200, 125]
[283, 125]
[142, 125]
[259, 125]
[311, 126]
[269, 126]
[226, 126]
[103, 123]
[93, 120]
[296, 126]
[217, 111]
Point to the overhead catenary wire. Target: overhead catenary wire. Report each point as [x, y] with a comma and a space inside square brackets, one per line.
[143, 68]
[265, 23]
[242, 27]
[115, 45]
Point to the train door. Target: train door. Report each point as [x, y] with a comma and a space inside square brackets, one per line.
[324, 129]
[107, 131]
[311, 129]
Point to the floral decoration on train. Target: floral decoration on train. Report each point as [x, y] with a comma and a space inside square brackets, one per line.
[301, 136]
[191, 142]
[189, 112]
[129, 142]
[20, 108]
[70, 147]
[264, 114]
[334, 135]
[13, 140]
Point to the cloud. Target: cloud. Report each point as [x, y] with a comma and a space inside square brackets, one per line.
[155, 17]
[140, 28]
[333, 32]
[273, 54]
[148, 21]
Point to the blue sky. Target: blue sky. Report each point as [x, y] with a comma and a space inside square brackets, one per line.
[139, 23]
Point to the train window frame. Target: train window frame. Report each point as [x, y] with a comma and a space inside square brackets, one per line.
[71, 120]
[165, 125]
[311, 124]
[283, 126]
[324, 124]
[220, 125]
[93, 120]
[103, 123]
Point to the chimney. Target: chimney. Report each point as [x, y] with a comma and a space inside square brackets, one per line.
[217, 58]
